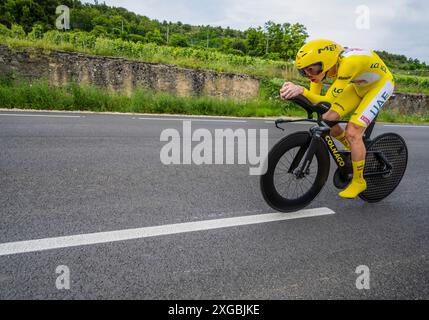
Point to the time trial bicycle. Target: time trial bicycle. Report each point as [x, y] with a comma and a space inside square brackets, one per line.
[298, 165]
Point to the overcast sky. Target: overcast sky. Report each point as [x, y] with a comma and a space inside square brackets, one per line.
[398, 26]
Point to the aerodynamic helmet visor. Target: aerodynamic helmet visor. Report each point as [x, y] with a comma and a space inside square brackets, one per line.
[312, 70]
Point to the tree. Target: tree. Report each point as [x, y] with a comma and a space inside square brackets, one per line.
[155, 37]
[119, 22]
[84, 19]
[26, 18]
[145, 25]
[239, 45]
[255, 42]
[178, 40]
[295, 36]
[274, 34]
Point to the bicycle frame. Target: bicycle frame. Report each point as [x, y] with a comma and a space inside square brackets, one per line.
[321, 132]
[304, 155]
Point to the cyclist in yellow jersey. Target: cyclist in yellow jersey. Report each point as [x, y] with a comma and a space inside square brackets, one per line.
[362, 83]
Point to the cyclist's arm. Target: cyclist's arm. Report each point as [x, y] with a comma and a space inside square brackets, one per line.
[346, 73]
[316, 87]
[334, 91]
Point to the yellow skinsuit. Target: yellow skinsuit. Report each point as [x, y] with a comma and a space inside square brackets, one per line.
[362, 84]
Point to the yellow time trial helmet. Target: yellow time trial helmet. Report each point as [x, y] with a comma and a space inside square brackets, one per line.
[317, 56]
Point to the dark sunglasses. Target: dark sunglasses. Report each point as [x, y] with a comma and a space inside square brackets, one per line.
[312, 70]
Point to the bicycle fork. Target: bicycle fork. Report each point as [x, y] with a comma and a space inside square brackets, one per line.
[319, 134]
[307, 154]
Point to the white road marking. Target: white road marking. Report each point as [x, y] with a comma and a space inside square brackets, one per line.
[38, 115]
[193, 119]
[405, 126]
[129, 234]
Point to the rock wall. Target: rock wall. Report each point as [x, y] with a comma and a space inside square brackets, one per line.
[120, 74]
[409, 103]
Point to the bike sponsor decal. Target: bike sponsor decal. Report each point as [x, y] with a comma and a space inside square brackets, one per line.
[377, 65]
[379, 103]
[373, 108]
[365, 119]
[335, 152]
[344, 78]
[336, 92]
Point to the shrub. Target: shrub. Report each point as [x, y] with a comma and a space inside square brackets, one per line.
[178, 40]
[17, 31]
[5, 31]
[36, 32]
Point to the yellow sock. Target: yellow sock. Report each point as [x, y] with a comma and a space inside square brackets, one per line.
[358, 167]
[342, 138]
[358, 184]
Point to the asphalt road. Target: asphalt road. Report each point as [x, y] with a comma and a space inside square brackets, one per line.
[78, 174]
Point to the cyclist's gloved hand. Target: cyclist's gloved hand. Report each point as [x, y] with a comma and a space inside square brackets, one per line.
[290, 90]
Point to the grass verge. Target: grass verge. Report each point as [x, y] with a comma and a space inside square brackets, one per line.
[40, 95]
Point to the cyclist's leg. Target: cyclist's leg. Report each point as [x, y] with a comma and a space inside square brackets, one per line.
[354, 134]
[372, 102]
[362, 117]
[343, 105]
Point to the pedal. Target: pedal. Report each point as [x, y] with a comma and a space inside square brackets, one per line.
[340, 182]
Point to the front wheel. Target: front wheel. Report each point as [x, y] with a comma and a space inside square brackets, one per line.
[286, 189]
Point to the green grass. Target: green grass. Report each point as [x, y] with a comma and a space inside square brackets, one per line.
[40, 95]
[412, 84]
[72, 97]
[386, 116]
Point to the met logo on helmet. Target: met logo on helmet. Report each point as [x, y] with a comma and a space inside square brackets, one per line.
[331, 47]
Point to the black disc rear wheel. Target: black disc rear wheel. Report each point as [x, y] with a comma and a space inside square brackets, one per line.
[393, 148]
